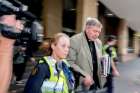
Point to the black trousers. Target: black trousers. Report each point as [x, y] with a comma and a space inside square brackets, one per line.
[18, 70]
[109, 84]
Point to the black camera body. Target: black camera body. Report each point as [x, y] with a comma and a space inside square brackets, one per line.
[32, 31]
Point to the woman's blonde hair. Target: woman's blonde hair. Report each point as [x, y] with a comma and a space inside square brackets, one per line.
[46, 46]
[57, 36]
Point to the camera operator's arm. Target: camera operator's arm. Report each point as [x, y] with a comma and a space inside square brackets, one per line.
[6, 51]
[6, 54]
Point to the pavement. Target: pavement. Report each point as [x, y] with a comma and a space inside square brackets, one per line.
[127, 82]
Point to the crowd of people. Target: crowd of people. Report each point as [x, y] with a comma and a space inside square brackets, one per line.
[72, 64]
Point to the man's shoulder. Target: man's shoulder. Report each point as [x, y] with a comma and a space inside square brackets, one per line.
[76, 40]
[77, 36]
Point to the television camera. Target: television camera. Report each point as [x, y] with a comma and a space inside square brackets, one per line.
[33, 30]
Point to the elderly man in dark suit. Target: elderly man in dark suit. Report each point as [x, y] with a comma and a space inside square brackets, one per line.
[85, 54]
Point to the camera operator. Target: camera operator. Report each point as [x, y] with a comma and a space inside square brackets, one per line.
[6, 52]
[10, 29]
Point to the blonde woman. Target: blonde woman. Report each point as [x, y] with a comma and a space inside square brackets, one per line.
[52, 74]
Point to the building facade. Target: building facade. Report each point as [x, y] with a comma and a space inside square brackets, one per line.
[69, 16]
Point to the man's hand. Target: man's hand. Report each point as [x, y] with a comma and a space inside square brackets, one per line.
[88, 81]
[19, 26]
[116, 73]
[9, 20]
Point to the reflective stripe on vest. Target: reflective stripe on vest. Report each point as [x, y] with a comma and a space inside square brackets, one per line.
[56, 83]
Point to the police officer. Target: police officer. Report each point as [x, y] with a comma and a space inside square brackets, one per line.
[109, 49]
[51, 74]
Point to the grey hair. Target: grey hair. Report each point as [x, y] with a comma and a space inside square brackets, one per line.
[91, 21]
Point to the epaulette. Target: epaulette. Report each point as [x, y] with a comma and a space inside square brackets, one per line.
[42, 60]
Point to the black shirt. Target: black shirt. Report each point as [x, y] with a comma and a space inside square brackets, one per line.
[94, 61]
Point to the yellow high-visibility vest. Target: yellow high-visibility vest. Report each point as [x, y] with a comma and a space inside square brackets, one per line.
[57, 82]
[113, 53]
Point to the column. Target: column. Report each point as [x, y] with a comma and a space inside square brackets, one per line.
[103, 32]
[136, 43]
[85, 8]
[52, 17]
[122, 37]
